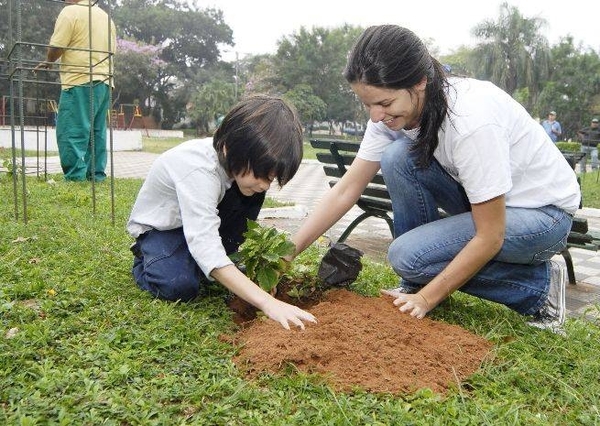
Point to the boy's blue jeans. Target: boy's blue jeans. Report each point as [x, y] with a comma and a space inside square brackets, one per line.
[163, 264]
[518, 276]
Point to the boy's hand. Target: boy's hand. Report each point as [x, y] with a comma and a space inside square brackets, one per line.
[285, 314]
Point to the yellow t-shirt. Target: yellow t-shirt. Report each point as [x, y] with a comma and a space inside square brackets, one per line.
[72, 33]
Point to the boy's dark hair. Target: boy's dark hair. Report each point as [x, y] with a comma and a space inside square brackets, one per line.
[393, 57]
[261, 134]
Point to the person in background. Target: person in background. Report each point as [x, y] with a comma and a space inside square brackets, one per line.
[193, 207]
[467, 147]
[589, 137]
[82, 30]
[552, 127]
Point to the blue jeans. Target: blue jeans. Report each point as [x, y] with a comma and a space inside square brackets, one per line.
[518, 276]
[163, 264]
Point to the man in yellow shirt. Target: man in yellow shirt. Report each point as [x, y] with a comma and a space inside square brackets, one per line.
[85, 75]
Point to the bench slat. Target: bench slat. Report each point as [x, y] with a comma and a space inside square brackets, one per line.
[341, 145]
[327, 158]
[375, 203]
[333, 171]
[374, 192]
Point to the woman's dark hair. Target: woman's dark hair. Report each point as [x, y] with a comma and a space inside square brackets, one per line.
[261, 134]
[393, 57]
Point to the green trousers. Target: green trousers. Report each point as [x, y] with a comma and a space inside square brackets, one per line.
[81, 131]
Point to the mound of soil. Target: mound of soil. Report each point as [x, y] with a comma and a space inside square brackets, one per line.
[364, 342]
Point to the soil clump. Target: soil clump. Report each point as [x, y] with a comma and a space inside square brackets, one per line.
[362, 342]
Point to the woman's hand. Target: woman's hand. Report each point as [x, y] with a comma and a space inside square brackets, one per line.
[413, 304]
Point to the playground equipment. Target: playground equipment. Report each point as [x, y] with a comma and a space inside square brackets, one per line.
[128, 117]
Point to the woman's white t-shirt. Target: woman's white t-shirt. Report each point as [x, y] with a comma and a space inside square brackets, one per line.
[492, 146]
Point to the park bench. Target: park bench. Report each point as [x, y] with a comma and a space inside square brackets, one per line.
[336, 155]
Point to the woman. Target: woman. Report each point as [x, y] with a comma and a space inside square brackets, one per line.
[467, 147]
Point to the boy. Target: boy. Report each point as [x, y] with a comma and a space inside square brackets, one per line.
[192, 209]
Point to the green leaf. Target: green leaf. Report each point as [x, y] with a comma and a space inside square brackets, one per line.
[267, 279]
[262, 252]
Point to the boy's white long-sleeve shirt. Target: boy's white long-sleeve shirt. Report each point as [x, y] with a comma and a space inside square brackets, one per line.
[183, 189]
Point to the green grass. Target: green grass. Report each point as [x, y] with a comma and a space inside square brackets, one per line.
[590, 189]
[7, 153]
[80, 344]
[160, 145]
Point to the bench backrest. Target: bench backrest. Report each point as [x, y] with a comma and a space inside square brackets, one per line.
[336, 155]
[573, 157]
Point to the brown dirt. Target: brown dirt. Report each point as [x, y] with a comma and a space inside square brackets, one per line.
[364, 342]
[244, 312]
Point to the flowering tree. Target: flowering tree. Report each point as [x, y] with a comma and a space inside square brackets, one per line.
[139, 73]
[190, 38]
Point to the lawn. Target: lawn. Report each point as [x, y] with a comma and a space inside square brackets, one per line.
[590, 189]
[80, 344]
[159, 145]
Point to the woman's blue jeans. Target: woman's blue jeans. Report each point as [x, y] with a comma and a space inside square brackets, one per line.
[163, 264]
[518, 276]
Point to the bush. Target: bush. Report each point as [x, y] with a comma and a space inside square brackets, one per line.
[569, 146]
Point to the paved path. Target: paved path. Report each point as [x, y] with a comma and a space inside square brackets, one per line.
[373, 235]
[127, 164]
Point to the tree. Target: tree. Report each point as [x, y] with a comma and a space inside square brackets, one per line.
[261, 76]
[138, 71]
[36, 26]
[25, 40]
[317, 58]
[213, 99]
[190, 40]
[309, 106]
[573, 89]
[512, 54]
[189, 37]
[459, 61]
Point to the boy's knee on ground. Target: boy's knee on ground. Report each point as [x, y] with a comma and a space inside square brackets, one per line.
[181, 287]
[180, 290]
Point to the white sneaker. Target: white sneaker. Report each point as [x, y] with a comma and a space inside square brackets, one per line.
[395, 292]
[551, 315]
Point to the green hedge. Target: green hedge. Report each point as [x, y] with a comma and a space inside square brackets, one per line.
[569, 146]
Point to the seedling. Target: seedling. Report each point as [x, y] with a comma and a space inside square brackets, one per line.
[262, 254]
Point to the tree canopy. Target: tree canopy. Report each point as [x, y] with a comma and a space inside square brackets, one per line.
[512, 53]
[169, 59]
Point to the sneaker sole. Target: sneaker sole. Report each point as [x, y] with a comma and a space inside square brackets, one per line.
[557, 325]
[562, 294]
[394, 292]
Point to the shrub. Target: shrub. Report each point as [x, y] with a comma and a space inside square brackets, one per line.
[569, 146]
[262, 254]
